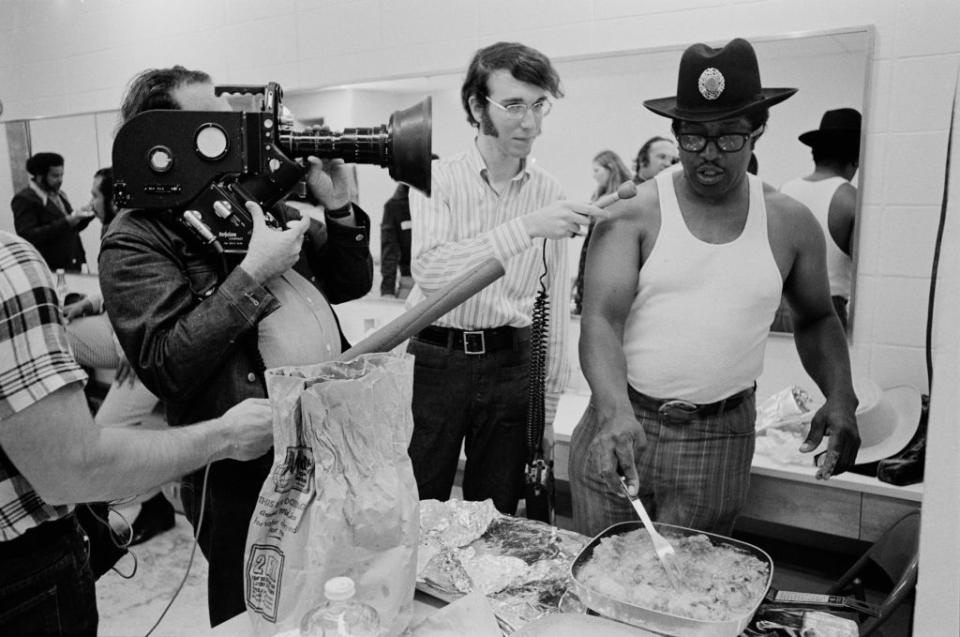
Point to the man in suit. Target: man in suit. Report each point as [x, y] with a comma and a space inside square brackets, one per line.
[43, 216]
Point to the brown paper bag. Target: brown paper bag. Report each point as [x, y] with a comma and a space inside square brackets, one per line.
[342, 498]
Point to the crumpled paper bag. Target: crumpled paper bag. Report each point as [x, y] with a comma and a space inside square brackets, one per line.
[341, 498]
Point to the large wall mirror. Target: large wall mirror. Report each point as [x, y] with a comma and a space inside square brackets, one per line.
[602, 110]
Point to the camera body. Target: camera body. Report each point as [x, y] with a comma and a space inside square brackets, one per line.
[204, 166]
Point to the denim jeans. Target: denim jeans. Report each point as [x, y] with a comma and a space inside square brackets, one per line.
[479, 401]
[46, 585]
[694, 474]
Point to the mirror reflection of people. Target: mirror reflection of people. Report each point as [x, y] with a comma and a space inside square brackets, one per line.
[200, 330]
[395, 238]
[127, 402]
[42, 215]
[656, 154]
[830, 196]
[609, 172]
[52, 455]
[491, 201]
[681, 285]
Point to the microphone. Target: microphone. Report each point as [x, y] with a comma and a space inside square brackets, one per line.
[626, 190]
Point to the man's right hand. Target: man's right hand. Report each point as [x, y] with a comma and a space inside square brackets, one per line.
[83, 215]
[272, 252]
[561, 219]
[249, 428]
[615, 449]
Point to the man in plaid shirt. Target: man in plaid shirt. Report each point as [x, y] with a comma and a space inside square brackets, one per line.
[52, 455]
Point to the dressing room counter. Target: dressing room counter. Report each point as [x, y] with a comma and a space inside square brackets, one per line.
[849, 505]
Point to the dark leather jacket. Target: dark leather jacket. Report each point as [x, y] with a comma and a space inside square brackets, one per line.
[189, 326]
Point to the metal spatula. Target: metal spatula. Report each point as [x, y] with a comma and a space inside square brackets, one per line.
[665, 551]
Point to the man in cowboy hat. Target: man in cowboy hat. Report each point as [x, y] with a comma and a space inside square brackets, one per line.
[830, 196]
[682, 283]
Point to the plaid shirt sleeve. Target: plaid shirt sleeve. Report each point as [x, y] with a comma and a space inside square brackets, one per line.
[35, 361]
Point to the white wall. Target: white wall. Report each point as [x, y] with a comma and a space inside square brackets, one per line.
[68, 56]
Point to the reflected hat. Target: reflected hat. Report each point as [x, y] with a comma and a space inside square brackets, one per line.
[887, 420]
[887, 427]
[839, 126]
[715, 84]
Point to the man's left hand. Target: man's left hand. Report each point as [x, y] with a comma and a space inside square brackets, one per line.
[839, 422]
[330, 182]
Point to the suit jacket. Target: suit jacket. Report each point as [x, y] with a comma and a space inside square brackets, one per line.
[46, 227]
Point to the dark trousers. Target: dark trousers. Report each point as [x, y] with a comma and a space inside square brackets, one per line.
[46, 585]
[232, 491]
[479, 401]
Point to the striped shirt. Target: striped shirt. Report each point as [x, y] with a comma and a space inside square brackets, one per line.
[464, 223]
[35, 361]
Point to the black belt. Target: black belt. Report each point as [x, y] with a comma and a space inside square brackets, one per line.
[475, 341]
[680, 411]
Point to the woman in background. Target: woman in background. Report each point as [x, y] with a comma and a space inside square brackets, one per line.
[127, 402]
[609, 172]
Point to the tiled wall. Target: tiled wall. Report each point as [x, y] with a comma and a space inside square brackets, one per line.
[67, 56]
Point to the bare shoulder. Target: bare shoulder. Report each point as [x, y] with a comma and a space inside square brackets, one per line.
[637, 212]
[845, 198]
[788, 218]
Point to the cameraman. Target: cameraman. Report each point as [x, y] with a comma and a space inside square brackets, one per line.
[200, 331]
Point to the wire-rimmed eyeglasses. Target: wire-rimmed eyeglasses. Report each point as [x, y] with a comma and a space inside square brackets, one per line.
[540, 108]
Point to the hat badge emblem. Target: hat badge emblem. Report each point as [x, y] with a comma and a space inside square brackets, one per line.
[711, 83]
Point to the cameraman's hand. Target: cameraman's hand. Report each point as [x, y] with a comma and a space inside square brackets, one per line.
[248, 428]
[330, 182]
[272, 251]
[561, 219]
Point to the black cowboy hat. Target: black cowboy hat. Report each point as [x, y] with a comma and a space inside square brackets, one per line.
[841, 125]
[715, 84]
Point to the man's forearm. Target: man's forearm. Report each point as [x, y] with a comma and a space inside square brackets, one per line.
[126, 462]
[604, 365]
[68, 459]
[824, 354]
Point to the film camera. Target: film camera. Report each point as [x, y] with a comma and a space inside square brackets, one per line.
[205, 166]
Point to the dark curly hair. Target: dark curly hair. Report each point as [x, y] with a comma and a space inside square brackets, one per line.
[41, 163]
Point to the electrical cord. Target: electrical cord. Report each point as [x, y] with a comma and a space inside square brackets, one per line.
[539, 327]
[193, 552]
[936, 247]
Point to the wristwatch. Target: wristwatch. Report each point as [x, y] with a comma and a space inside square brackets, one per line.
[340, 213]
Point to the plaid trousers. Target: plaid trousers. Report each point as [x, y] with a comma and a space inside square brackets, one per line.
[694, 474]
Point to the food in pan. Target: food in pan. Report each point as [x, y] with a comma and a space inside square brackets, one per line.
[718, 583]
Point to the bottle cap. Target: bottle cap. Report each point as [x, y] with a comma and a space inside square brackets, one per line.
[339, 588]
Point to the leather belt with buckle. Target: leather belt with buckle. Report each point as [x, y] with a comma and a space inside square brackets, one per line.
[475, 342]
[680, 411]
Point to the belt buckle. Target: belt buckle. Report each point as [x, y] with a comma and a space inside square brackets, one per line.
[677, 411]
[474, 342]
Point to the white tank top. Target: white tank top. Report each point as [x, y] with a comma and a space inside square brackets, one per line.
[699, 323]
[817, 195]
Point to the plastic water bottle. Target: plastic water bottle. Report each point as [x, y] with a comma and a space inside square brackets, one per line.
[61, 286]
[341, 615]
